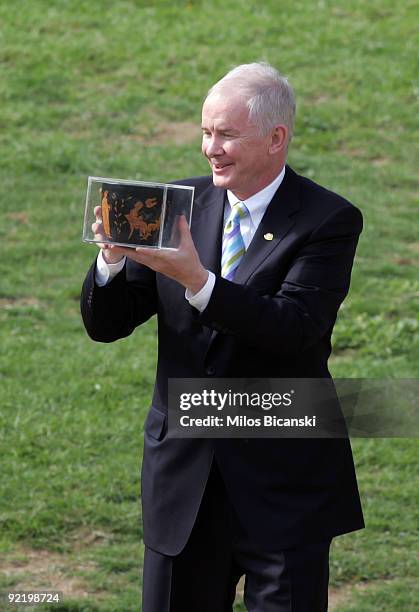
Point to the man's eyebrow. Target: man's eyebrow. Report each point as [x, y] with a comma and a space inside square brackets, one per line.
[222, 129]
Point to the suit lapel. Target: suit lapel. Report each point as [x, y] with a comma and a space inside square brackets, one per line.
[207, 227]
[277, 220]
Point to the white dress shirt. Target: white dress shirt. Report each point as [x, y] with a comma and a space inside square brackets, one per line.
[256, 205]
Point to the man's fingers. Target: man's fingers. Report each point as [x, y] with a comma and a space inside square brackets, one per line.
[183, 224]
[98, 213]
[97, 229]
[185, 232]
[102, 245]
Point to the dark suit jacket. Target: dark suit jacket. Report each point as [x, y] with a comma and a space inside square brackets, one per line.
[275, 320]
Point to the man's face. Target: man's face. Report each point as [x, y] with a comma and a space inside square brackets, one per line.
[239, 157]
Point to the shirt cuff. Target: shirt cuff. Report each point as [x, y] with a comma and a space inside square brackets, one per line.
[105, 272]
[200, 300]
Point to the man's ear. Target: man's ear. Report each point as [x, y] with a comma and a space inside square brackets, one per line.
[279, 139]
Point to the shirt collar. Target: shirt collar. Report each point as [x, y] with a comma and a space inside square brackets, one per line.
[258, 203]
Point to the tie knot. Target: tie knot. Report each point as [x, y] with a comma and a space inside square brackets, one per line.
[237, 213]
[239, 210]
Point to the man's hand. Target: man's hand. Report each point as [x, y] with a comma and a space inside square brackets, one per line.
[110, 254]
[183, 264]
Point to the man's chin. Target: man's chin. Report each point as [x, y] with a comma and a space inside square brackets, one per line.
[221, 181]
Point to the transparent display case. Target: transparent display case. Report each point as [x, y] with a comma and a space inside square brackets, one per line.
[136, 213]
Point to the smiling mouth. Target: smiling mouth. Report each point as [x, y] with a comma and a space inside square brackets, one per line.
[219, 167]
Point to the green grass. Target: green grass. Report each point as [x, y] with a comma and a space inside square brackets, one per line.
[114, 89]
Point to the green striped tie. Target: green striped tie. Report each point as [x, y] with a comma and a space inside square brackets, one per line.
[233, 244]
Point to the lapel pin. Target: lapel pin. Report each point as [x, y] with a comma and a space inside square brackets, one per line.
[268, 236]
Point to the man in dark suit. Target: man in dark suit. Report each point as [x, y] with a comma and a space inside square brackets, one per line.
[252, 291]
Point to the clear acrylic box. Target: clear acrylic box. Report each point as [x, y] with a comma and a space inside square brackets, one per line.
[136, 213]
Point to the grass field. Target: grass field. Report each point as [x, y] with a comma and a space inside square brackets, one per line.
[114, 89]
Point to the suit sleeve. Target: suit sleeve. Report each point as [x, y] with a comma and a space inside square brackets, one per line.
[306, 305]
[115, 310]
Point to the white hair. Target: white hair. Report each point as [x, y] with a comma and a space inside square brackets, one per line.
[269, 96]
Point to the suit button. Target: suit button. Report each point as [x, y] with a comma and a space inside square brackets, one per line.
[210, 371]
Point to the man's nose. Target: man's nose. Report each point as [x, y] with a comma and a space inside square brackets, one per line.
[213, 147]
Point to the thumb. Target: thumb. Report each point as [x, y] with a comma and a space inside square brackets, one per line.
[185, 233]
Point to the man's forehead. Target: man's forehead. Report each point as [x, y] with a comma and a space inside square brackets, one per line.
[224, 105]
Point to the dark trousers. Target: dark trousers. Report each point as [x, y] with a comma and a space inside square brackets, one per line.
[204, 576]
